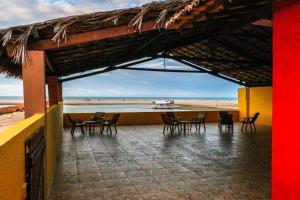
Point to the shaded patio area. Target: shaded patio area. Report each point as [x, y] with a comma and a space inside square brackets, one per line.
[141, 163]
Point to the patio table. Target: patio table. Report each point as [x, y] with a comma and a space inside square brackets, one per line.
[90, 126]
[185, 125]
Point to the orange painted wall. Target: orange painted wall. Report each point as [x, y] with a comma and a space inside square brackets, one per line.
[148, 118]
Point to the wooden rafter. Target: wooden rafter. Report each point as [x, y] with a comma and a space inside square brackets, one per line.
[90, 36]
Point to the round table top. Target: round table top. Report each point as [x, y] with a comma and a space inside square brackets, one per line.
[90, 122]
[185, 121]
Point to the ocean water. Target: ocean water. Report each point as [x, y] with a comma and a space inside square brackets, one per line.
[114, 108]
[119, 108]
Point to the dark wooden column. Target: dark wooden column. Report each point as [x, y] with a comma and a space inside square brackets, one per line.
[60, 94]
[52, 82]
[34, 83]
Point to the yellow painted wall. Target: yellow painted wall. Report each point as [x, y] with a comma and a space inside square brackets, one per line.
[12, 157]
[12, 151]
[260, 101]
[149, 118]
[54, 130]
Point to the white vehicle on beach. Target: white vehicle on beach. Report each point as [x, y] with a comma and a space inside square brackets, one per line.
[168, 104]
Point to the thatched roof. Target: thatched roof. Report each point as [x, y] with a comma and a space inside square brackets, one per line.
[218, 35]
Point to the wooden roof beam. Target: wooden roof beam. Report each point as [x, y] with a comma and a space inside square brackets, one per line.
[36, 36]
[211, 72]
[90, 36]
[213, 60]
[263, 22]
[108, 69]
[163, 70]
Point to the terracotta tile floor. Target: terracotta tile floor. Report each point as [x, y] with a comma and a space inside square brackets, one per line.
[141, 163]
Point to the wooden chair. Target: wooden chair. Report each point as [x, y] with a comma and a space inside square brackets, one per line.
[111, 122]
[197, 121]
[172, 116]
[226, 119]
[221, 114]
[76, 123]
[170, 123]
[99, 119]
[250, 121]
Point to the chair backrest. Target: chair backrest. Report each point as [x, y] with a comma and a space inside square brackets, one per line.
[115, 118]
[163, 117]
[202, 115]
[222, 113]
[254, 117]
[98, 116]
[226, 118]
[170, 114]
[167, 118]
[170, 117]
[71, 120]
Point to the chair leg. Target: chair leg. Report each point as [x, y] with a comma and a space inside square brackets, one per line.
[164, 129]
[101, 129]
[82, 130]
[250, 127]
[116, 129]
[242, 126]
[178, 130]
[254, 127]
[72, 131]
[110, 130]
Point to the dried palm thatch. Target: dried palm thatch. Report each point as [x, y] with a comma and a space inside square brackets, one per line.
[164, 13]
[7, 67]
[58, 29]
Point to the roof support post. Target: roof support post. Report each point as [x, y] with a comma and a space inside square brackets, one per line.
[60, 94]
[53, 91]
[34, 83]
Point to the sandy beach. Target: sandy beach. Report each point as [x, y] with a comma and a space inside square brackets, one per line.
[8, 120]
[181, 103]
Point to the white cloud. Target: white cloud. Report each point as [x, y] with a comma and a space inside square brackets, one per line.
[17, 12]
[69, 91]
[145, 82]
[11, 90]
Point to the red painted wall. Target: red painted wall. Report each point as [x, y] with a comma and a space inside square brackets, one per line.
[286, 103]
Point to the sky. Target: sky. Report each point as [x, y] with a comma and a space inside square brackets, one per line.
[117, 83]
